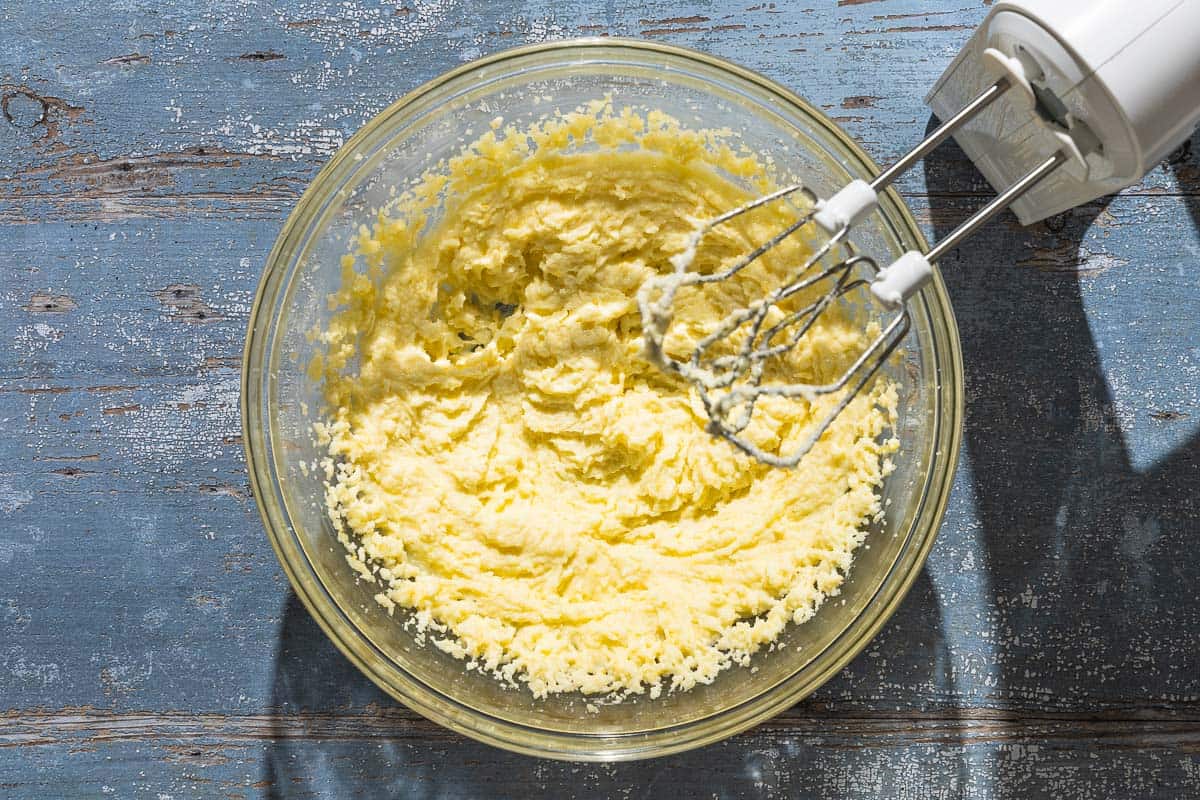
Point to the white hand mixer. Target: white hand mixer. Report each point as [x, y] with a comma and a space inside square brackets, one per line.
[1096, 92]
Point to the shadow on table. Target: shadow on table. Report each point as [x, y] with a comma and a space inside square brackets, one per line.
[336, 735]
[1092, 564]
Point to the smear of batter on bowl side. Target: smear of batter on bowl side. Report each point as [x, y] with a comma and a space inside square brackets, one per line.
[506, 464]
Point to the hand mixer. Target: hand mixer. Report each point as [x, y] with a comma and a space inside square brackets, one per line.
[1095, 93]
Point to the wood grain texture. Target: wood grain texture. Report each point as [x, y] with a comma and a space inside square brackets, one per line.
[149, 646]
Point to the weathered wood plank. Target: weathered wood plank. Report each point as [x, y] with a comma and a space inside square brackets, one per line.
[387, 754]
[239, 105]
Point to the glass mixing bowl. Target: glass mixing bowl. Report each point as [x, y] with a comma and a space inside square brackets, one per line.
[280, 402]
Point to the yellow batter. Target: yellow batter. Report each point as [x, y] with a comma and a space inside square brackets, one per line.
[506, 463]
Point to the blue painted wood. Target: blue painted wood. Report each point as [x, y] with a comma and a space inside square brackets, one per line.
[149, 645]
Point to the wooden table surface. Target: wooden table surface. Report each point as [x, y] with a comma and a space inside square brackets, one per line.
[149, 643]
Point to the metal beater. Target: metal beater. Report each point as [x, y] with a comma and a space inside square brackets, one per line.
[1096, 92]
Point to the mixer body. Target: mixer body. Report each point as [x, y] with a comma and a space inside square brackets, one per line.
[1116, 80]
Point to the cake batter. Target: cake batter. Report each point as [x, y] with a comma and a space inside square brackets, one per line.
[509, 468]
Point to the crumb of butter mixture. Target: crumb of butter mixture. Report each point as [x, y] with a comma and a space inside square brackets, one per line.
[509, 468]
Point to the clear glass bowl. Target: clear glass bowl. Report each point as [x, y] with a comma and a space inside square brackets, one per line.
[279, 402]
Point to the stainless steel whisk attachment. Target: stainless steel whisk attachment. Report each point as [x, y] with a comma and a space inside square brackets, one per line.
[729, 374]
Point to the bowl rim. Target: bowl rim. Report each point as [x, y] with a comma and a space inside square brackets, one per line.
[446, 710]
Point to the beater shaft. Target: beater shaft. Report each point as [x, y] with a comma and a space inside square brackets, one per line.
[943, 132]
[998, 204]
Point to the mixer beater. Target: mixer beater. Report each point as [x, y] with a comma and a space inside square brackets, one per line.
[1096, 93]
